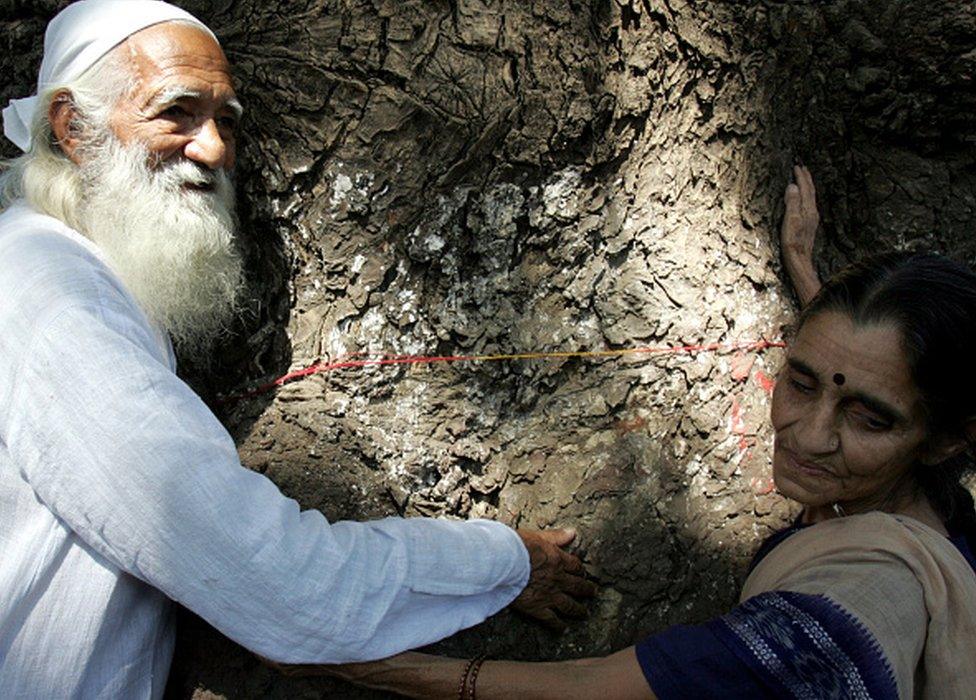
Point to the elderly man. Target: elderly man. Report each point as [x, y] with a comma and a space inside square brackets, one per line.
[119, 490]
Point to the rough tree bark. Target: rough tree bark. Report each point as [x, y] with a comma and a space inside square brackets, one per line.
[494, 176]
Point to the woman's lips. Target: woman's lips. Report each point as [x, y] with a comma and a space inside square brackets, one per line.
[805, 467]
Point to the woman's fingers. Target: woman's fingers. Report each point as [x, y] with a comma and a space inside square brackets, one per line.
[792, 198]
[801, 220]
[807, 192]
[792, 219]
[798, 234]
[805, 182]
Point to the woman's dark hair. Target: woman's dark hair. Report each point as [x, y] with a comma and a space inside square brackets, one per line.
[932, 300]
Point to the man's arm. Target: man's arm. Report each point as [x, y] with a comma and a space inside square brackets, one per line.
[136, 465]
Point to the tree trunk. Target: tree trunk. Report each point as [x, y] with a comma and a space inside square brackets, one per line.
[483, 177]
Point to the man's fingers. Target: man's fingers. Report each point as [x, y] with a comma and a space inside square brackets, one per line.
[556, 579]
[578, 586]
[571, 563]
[560, 536]
[569, 607]
[550, 619]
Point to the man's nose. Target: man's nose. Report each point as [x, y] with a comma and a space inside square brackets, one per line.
[208, 147]
[817, 431]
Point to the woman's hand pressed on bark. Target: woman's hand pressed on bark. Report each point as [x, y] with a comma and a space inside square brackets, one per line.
[799, 232]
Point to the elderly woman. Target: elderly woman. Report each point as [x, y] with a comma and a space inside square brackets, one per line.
[872, 592]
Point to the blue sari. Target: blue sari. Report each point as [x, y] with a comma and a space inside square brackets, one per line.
[777, 644]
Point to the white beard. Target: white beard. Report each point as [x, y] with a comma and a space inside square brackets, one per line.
[172, 246]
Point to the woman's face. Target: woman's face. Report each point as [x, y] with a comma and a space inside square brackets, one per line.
[848, 418]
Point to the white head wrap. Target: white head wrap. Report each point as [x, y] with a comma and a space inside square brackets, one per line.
[75, 39]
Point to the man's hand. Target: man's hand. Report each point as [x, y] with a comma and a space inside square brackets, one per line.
[798, 233]
[556, 580]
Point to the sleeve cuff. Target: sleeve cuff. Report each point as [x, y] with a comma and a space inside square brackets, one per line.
[447, 557]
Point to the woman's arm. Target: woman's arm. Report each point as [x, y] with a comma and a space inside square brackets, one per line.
[798, 233]
[416, 675]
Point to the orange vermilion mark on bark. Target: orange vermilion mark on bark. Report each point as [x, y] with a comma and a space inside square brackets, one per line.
[765, 382]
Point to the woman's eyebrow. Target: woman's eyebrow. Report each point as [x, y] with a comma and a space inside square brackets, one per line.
[876, 405]
[802, 367]
[872, 403]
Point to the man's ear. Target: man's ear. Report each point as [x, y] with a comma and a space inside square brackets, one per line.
[63, 117]
[942, 447]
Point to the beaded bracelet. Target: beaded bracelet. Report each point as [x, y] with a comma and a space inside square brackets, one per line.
[474, 675]
[463, 686]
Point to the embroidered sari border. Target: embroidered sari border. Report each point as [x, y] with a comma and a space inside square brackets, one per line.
[807, 647]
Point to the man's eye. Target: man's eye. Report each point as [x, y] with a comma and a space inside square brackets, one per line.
[229, 123]
[174, 112]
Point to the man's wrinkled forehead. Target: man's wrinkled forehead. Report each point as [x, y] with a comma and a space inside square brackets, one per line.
[173, 61]
[172, 49]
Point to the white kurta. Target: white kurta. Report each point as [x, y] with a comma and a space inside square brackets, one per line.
[119, 490]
